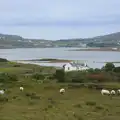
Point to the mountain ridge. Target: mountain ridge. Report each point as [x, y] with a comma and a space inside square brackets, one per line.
[16, 41]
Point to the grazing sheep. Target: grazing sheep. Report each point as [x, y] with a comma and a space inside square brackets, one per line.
[118, 91]
[62, 90]
[113, 92]
[105, 92]
[2, 92]
[21, 88]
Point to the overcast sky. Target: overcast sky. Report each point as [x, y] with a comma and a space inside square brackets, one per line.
[58, 19]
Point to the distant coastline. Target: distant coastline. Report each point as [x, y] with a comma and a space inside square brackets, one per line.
[98, 49]
[51, 60]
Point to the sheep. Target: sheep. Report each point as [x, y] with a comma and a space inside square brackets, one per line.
[2, 92]
[62, 90]
[105, 92]
[113, 92]
[118, 91]
[21, 88]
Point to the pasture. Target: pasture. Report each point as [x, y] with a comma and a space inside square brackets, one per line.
[42, 100]
[48, 104]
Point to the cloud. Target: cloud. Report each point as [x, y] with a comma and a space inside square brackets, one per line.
[65, 18]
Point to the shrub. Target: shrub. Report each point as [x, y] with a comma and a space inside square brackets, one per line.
[7, 78]
[99, 77]
[3, 60]
[97, 70]
[60, 75]
[38, 76]
[16, 65]
[91, 70]
[116, 69]
[75, 76]
[109, 67]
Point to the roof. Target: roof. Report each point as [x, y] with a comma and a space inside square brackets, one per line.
[76, 64]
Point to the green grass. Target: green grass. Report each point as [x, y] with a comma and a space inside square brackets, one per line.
[19, 68]
[48, 104]
[75, 104]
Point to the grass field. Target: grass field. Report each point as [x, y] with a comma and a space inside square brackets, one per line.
[75, 104]
[19, 68]
[47, 104]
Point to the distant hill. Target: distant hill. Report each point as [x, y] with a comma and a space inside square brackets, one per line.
[110, 40]
[15, 41]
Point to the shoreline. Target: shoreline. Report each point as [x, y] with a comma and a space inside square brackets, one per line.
[98, 49]
[50, 60]
[46, 60]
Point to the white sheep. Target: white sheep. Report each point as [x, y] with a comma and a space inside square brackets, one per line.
[2, 92]
[21, 88]
[118, 91]
[113, 92]
[105, 92]
[62, 90]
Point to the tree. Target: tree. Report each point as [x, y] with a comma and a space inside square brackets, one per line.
[3, 60]
[60, 75]
[109, 67]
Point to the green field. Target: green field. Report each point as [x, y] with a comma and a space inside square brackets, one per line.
[75, 104]
[46, 103]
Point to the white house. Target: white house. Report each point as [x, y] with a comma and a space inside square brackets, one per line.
[75, 66]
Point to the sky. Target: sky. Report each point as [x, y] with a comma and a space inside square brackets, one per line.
[59, 19]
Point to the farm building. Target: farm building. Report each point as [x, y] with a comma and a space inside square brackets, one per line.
[74, 66]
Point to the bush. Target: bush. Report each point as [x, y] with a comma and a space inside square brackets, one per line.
[38, 76]
[91, 70]
[97, 70]
[75, 76]
[99, 77]
[60, 75]
[16, 65]
[116, 69]
[7, 78]
[109, 67]
[3, 60]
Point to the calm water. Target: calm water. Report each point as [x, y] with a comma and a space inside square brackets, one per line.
[60, 53]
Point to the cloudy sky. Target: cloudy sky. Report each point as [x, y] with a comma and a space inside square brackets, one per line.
[58, 19]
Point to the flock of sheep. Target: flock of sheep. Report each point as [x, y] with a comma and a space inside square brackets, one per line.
[2, 92]
[103, 92]
[62, 91]
[112, 92]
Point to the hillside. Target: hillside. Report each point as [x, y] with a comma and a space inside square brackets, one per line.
[15, 41]
[110, 40]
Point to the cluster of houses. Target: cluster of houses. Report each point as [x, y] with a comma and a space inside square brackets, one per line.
[75, 66]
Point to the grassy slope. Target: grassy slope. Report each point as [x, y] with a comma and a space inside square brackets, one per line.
[76, 104]
[24, 68]
[72, 105]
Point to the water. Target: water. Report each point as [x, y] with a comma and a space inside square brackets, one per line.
[60, 53]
